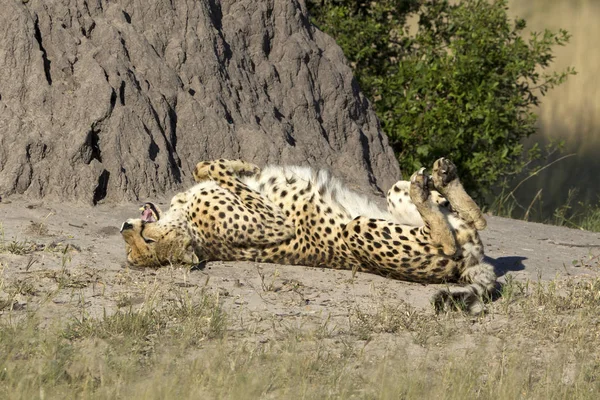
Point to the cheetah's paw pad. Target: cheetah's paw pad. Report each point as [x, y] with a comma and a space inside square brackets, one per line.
[444, 172]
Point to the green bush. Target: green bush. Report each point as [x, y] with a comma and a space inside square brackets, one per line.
[459, 80]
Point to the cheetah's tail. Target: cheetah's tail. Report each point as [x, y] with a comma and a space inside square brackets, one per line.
[481, 281]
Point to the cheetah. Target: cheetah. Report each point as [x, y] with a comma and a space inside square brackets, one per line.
[300, 216]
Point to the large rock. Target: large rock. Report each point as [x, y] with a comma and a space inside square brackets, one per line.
[105, 101]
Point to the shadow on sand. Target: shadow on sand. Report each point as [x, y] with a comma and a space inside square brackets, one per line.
[502, 265]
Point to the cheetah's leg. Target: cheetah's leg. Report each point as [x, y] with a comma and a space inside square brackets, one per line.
[220, 168]
[479, 277]
[449, 193]
[445, 179]
[412, 203]
[434, 219]
[479, 280]
[402, 207]
[235, 206]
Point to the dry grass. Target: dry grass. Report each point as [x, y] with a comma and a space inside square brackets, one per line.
[538, 340]
[165, 337]
[565, 192]
[572, 214]
[568, 112]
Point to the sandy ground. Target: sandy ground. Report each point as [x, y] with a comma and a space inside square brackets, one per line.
[74, 263]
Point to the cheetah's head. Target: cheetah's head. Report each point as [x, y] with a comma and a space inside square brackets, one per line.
[151, 241]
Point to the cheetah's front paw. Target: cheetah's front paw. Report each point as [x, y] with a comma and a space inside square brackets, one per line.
[444, 172]
[419, 186]
[445, 179]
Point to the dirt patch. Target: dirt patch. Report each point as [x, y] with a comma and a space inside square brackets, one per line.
[81, 240]
[67, 246]
[74, 277]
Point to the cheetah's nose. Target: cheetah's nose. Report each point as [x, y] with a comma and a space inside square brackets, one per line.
[125, 226]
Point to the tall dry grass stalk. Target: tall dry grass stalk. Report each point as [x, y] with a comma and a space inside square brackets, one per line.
[570, 112]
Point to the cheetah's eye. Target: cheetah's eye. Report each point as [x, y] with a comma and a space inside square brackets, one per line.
[148, 240]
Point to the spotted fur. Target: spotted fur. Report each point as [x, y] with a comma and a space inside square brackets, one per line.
[300, 216]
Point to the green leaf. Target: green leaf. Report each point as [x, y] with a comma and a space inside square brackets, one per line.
[462, 83]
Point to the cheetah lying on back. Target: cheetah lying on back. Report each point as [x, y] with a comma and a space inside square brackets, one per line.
[295, 215]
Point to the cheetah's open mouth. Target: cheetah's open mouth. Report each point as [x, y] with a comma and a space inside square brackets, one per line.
[149, 213]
